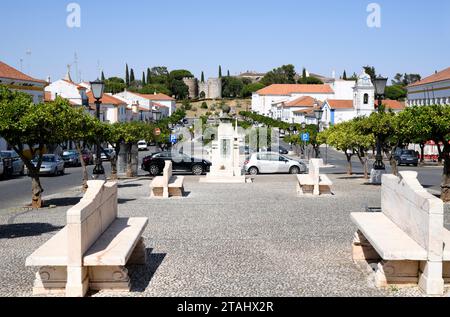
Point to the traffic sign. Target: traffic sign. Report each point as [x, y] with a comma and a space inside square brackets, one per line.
[173, 138]
[157, 131]
[305, 137]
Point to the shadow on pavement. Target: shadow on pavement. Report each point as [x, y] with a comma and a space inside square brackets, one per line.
[124, 200]
[20, 230]
[62, 202]
[141, 275]
[129, 185]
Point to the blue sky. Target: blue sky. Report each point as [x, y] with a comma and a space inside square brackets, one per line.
[240, 35]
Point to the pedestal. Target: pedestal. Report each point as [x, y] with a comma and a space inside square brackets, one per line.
[376, 176]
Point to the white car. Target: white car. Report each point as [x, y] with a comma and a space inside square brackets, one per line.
[142, 146]
[271, 162]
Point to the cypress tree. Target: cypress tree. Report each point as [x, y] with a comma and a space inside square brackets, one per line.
[149, 75]
[228, 73]
[203, 78]
[143, 78]
[127, 77]
[103, 76]
[304, 74]
[132, 78]
[344, 76]
[220, 71]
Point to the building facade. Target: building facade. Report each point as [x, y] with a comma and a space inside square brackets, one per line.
[434, 89]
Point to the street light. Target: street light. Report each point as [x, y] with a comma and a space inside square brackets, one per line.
[156, 115]
[318, 113]
[380, 87]
[97, 88]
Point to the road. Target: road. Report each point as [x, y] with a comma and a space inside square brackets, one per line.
[16, 192]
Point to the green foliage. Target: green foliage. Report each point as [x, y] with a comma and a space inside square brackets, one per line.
[311, 80]
[249, 89]
[396, 92]
[179, 89]
[152, 88]
[405, 79]
[103, 76]
[282, 75]
[232, 87]
[143, 78]
[132, 78]
[186, 105]
[179, 74]
[127, 76]
[202, 77]
[370, 70]
[204, 105]
[344, 76]
[220, 71]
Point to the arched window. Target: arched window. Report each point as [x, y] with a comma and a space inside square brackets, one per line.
[366, 99]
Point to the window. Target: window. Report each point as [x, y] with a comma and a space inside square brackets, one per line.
[366, 99]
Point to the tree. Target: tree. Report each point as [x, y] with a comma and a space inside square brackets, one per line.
[232, 87]
[220, 71]
[143, 78]
[152, 88]
[282, 75]
[149, 76]
[202, 78]
[348, 138]
[115, 85]
[405, 79]
[127, 76]
[179, 89]
[370, 70]
[204, 105]
[344, 76]
[103, 76]
[304, 76]
[179, 74]
[310, 81]
[228, 73]
[31, 129]
[396, 92]
[249, 89]
[132, 78]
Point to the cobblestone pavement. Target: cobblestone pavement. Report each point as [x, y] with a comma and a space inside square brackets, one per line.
[255, 239]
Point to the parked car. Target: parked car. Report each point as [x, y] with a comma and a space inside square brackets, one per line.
[108, 154]
[88, 158]
[154, 164]
[12, 163]
[142, 146]
[1, 169]
[71, 158]
[51, 165]
[271, 162]
[407, 157]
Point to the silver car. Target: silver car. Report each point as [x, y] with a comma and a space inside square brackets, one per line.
[51, 165]
[15, 163]
[271, 162]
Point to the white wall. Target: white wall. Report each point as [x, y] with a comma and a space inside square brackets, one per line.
[67, 91]
[434, 93]
[343, 89]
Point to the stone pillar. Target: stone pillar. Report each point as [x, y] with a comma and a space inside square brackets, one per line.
[122, 161]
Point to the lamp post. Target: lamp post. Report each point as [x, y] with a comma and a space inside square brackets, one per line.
[156, 115]
[304, 142]
[380, 87]
[97, 88]
[318, 113]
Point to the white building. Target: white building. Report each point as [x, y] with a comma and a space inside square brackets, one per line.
[112, 109]
[159, 102]
[18, 81]
[341, 100]
[434, 89]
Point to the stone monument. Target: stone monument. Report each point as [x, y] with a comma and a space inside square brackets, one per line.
[226, 153]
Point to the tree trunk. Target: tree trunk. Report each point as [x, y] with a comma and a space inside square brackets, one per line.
[349, 161]
[393, 163]
[422, 153]
[445, 195]
[129, 168]
[364, 162]
[36, 190]
[439, 152]
[114, 167]
[84, 186]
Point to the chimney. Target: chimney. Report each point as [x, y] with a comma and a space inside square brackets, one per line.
[48, 79]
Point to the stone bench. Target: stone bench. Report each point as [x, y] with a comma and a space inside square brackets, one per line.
[314, 183]
[167, 186]
[91, 251]
[405, 242]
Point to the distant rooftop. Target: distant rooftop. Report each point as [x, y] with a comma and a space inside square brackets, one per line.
[9, 72]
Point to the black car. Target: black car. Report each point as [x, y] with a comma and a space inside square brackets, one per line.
[407, 157]
[154, 164]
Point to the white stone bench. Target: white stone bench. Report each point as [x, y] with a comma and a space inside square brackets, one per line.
[314, 183]
[167, 186]
[91, 251]
[406, 240]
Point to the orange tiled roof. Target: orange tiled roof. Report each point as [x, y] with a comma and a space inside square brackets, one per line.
[392, 104]
[440, 76]
[9, 72]
[340, 104]
[305, 101]
[154, 96]
[159, 105]
[288, 89]
[107, 99]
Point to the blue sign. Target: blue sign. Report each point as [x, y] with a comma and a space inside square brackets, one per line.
[173, 138]
[305, 137]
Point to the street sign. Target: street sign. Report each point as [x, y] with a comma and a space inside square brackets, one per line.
[173, 138]
[157, 131]
[305, 137]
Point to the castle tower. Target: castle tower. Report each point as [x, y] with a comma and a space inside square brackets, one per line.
[364, 95]
[191, 82]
